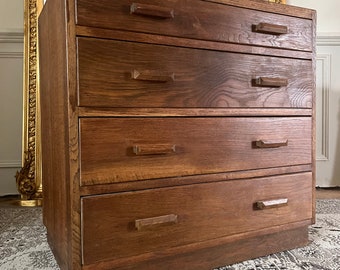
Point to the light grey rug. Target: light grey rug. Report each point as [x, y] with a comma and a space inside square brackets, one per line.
[23, 243]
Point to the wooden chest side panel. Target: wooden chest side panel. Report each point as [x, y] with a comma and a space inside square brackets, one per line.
[54, 130]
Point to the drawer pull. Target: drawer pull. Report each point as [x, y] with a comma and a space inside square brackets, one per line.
[152, 75]
[270, 143]
[270, 82]
[268, 28]
[271, 204]
[145, 223]
[152, 11]
[154, 149]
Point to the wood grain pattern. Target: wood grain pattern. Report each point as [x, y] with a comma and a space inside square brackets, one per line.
[192, 179]
[268, 28]
[151, 11]
[198, 20]
[55, 155]
[203, 145]
[154, 222]
[153, 149]
[201, 78]
[224, 251]
[190, 112]
[271, 143]
[85, 31]
[229, 204]
[263, 205]
[289, 10]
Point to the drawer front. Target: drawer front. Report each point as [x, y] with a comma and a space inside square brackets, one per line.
[198, 20]
[130, 149]
[126, 74]
[189, 214]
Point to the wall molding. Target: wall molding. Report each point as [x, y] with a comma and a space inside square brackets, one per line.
[11, 37]
[324, 63]
[10, 164]
[11, 54]
[328, 39]
[11, 44]
[11, 47]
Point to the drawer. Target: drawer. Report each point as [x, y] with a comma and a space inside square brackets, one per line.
[126, 74]
[189, 214]
[198, 20]
[130, 149]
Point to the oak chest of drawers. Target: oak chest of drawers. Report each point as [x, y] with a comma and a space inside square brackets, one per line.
[176, 134]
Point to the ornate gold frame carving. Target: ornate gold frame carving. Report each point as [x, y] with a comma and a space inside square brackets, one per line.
[278, 1]
[28, 179]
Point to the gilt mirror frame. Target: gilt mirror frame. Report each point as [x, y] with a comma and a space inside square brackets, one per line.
[28, 179]
[278, 1]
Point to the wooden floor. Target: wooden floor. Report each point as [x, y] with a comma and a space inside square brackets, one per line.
[328, 193]
[321, 193]
[9, 201]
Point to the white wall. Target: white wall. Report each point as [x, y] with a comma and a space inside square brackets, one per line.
[11, 73]
[328, 89]
[327, 13]
[11, 18]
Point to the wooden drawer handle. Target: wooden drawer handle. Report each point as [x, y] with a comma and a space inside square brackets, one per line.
[270, 143]
[271, 204]
[268, 28]
[152, 75]
[145, 223]
[151, 11]
[154, 149]
[270, 82]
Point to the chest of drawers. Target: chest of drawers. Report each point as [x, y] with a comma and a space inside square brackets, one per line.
[176, 134]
